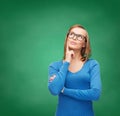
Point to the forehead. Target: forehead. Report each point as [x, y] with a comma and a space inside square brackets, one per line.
[78, 30]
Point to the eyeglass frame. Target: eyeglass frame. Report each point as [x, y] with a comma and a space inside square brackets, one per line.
[77, 35]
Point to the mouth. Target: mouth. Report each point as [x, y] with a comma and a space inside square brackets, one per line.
[73, 43]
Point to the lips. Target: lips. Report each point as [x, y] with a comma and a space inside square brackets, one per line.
[73, 43]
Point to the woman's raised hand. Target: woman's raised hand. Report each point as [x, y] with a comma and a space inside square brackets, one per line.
[69, 54]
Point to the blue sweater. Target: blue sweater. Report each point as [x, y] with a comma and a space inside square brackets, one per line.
[80, 88]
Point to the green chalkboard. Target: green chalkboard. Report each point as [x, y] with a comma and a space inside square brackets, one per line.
[32, 35]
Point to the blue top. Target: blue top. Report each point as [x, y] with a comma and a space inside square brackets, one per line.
[80, 88]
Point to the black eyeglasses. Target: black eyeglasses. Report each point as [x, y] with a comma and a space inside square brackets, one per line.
[79, 37]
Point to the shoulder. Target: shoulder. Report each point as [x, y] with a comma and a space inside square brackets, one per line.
[92, 62]
[56, 64]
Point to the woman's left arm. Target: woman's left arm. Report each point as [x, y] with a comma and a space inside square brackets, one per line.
[95, 86]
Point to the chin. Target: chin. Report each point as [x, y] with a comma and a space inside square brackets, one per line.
[72, 48]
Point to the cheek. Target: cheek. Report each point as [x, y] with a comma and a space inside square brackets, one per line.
[68, 42]
[80, 45]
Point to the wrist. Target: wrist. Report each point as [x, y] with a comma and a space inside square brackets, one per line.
[67, 60]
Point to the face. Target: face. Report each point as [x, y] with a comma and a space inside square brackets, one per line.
[76, 38]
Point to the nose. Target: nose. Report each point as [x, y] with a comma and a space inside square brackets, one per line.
[75, 37]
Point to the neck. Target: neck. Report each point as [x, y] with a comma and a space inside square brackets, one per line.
[77, 56]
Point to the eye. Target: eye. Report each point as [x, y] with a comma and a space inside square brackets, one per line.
[71, 34]
[80, 37]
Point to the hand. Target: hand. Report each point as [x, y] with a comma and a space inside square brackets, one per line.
[69, 54]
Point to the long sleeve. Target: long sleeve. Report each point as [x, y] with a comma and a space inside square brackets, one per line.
[56, 85]
[93, 93]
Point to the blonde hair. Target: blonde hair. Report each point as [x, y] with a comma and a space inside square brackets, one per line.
[85, 51]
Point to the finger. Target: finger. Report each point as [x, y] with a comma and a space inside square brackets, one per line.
[72, 53]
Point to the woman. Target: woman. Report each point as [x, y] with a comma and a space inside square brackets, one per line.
[76, 78]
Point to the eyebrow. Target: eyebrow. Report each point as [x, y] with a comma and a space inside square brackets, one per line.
[77, 34]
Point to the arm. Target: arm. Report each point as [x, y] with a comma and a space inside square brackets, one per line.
[58, 77]
[95, 86]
